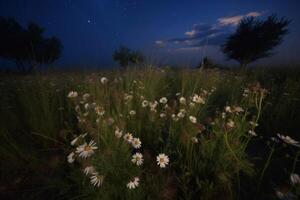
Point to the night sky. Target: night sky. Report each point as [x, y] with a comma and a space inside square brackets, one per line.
[166, 31]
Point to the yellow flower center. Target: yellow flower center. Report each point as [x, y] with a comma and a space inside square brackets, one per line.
[87, 148]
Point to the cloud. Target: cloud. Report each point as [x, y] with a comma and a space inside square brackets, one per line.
[234, 20]
[208, 34]
[159, 43]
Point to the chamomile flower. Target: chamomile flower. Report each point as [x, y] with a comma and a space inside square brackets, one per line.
[89, 170]
[228, 109]
[136, 143]
[193, 119]
[195, 140]
[73, 94]
[132, 112]
[99, 110]
[96, 179]
[133, 183]
[288, 140]
[137, 159]
[103, 80]
[118, 133]
[71, 158]
[86, 150]
[230, 124]
[198, 99]
[145, 103]
[295, 179]
[251, 132]
[181, 114]
[182, 100]
[85, 96]
[163, 100]
[162, 115]
[238, 109]
[86, 106]
[128, 137]
[162, 160]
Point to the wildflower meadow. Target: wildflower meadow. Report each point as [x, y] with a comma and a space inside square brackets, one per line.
[151, 133]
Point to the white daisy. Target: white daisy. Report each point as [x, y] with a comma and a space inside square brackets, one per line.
[145, 103]
[238, 109]
[86, 150]
[87, 106]
[89, 170]
[73, 94]
[193, 119]
[99, 110]
[251, 132]
[153, 105]
[181, 115]
[118, 133]
[228, 109]
[253, 124]
[163, 100]
[137, 158]
[71, 158]
[230, 124]
[136, 143]
[295, 179]
[162, 115]
[175, 118]
[162, 160]
[96, 179]
[289, 140]
[128, 97]
[85, 96]
[132, 112]
[134, 183]
[103, 80]
[198, 99]
[128, 137]
[195, 140]
[182, 100]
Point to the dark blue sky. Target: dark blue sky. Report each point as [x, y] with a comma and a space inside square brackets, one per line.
[166, 31]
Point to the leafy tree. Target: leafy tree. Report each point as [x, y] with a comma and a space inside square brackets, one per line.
[27, 45]
[124, 56]
[254, 38]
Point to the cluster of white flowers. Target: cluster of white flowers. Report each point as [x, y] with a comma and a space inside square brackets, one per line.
[198, 99]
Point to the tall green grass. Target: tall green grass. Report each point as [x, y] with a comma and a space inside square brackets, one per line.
[38, 122]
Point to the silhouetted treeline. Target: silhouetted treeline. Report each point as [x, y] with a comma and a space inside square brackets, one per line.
[27, 46]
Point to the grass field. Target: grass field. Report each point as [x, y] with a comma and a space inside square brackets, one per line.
[151, 133]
